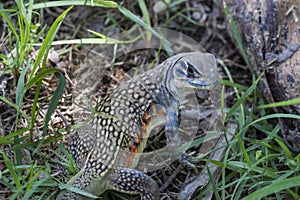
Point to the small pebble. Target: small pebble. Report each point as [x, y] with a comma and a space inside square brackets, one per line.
[160, 6]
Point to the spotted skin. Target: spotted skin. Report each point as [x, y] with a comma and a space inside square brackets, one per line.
[126, 179]
[100, 145]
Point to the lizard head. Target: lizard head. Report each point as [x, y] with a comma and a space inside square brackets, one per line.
[192, 71]
[195, 71]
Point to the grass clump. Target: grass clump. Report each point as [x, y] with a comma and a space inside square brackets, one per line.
[257, 163]
[23, 32]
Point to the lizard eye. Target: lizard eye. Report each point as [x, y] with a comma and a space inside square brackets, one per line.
[185, 70]
[190, 70]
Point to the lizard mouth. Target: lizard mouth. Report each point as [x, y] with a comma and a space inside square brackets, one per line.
[202, 84]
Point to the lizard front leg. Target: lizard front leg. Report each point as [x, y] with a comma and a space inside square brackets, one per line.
[173, 139]
[171, 129]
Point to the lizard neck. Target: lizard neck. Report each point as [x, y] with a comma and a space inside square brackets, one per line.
[178, 94]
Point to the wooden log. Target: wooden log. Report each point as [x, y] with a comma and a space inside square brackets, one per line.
[270, 32]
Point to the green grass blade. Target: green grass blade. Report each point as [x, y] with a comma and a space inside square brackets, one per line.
[244, 151]
[85, 41]
[33, 145]
[140, 22]
[3, 140]
[286, 150]
[212, 181]
[99, 3]
[12, 170]
[33, 41]
[236, 34]
[33, 183]
[33, 189]
[223, 175]
[48, 40]
[20, 86]
[275, 187]
[272, 116]
[146, 17]
[232, 84]
[66, 159]
[29, 11]
[145, 12]
[76, 190]
[15, 106]
[282, 103]
[34, 107]
[24, 26]
[21, 7]
[108, 40]
[7, 19]
[54, 101]
[40, 77]
[103, 40]
[243, 98]
[227, 72]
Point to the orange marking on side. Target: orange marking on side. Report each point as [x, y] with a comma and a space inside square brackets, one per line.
[142, 134]
[142, 131]
[154, 111]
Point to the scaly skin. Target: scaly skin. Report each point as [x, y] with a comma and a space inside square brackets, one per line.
[113, 139]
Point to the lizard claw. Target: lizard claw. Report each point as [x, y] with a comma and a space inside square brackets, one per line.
[188, 160]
